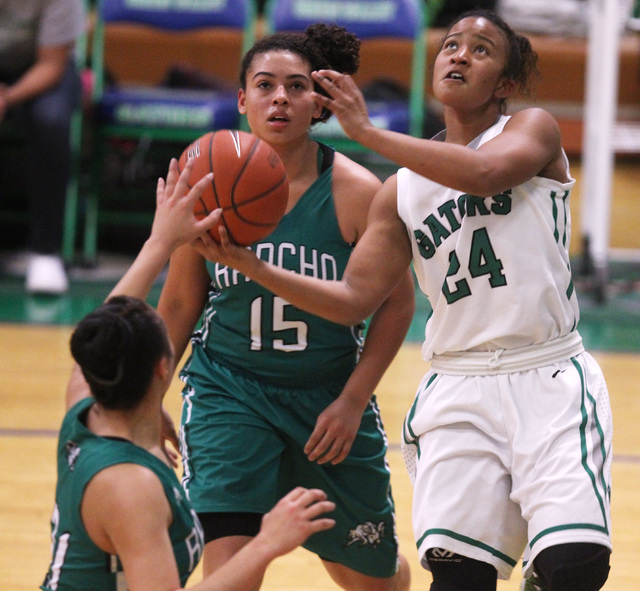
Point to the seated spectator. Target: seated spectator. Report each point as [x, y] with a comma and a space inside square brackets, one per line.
[40, 89]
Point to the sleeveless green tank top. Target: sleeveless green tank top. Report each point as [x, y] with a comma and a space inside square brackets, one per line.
[249, 329]
[77, 563]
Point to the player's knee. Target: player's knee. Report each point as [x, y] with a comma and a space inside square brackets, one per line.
[454, 572]
[567, 567]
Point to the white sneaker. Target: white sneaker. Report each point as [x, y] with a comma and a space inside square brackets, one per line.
[46, 274]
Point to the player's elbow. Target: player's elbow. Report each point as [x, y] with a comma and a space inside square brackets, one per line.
[483, 186]
[351, 319]
[354, 310]
[343, 312]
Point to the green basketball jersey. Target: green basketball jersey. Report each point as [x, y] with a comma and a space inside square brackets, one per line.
[77, 563]
[246, 327]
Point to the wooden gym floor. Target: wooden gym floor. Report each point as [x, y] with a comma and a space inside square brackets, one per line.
[35, 364]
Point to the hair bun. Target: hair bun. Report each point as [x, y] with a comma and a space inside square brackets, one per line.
[100, 345]
[339, 48]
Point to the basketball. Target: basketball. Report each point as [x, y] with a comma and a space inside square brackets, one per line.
[249, 183]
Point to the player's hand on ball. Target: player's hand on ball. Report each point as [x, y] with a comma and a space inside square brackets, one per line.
[225, 252]
[249, 183]
[294, 518]
[174, 221]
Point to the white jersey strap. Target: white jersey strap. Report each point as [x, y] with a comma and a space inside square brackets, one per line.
[504, 361]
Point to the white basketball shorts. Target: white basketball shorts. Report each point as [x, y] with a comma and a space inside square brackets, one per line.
[511, 463]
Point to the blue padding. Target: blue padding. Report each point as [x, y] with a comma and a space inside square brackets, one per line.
[166, 108]
[178, 14]
[393, 115]
[365, 18]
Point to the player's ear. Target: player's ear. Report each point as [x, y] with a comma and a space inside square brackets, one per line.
[164, 367]
[505, 87]
[242, 102]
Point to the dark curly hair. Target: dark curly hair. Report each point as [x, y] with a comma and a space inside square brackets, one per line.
[321, 45]
[522, 60]
[117, 347]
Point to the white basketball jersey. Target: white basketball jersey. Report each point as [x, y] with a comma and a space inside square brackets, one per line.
[496, 270]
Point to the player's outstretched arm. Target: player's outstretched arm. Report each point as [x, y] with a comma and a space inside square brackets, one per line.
[174, 224]
[529, 145]
[375, 267]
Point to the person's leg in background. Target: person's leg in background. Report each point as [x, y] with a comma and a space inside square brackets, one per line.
[47, 121]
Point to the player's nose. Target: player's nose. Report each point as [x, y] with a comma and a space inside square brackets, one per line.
[461, 55]
[280, 95]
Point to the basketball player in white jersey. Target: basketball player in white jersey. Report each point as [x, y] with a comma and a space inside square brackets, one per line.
[508, 442]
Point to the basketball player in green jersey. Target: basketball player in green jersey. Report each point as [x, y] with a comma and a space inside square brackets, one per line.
[275, 397]
[508, 441]
[121, 519]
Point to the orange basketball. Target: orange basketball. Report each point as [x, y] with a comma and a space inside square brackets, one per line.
[249, 183]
